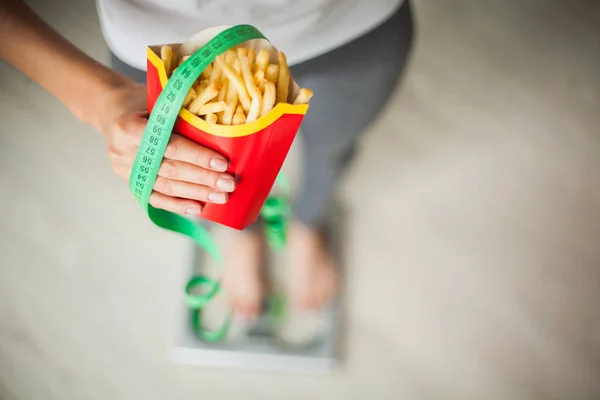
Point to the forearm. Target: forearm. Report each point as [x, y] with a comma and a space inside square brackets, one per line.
[29, 44]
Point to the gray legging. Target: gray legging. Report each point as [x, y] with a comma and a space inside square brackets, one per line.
[351, 85]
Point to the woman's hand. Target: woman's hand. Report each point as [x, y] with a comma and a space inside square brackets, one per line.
[113, 104]
[189, 173]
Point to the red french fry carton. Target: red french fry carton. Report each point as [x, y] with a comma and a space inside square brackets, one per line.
[256, 150]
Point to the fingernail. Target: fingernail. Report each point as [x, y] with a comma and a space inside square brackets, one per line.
[226, 184]
[217, 197]
[218, 164]
[193, 211]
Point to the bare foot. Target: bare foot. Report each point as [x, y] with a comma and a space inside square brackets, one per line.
[242, 275]
[313, 275]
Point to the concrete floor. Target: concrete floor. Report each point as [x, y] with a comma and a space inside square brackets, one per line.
[473, 258]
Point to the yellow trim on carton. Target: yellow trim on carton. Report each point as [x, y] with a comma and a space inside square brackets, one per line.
[226, 130]
[159, 64]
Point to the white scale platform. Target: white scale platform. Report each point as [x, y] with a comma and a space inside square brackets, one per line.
[259, 347]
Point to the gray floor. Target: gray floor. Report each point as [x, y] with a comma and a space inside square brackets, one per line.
[473, 258]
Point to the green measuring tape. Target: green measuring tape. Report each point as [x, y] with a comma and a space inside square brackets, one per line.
[148, 160]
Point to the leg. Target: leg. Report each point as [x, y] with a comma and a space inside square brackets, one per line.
[352, 85]
[242, 274]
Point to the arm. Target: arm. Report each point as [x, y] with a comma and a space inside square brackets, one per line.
[113, 104]
[34, 48]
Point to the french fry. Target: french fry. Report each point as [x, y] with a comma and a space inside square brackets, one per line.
[304, 96]
[168, 58]
[258, 77]
[207, 72]
[248, 79]
[261, 86]
[231, 100]
[222, 97]
[212, 108]
[255, 109]
[189, 97]
[216, 74]
[211, 118]
[223, 90]
[201, 86]
[272, 73]
[183, 59]
[230, 56]
[239, 118]
[179, 63]
[283, 79]
[204, 97]
[251, 57]
[262, 60]
[268, 98]
[200, 79]
[236, 81]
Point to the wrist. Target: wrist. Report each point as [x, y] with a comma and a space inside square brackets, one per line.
[103, 92]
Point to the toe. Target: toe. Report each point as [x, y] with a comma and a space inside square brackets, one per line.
[320, 299]
[237, 307]
[252, 307]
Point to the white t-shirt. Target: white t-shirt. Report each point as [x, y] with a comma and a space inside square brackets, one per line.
[303, 29]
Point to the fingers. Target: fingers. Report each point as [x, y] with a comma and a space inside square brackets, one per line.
[189, 173]
[182, 149]
[186, 190]
[178, 206]
[182, 171]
